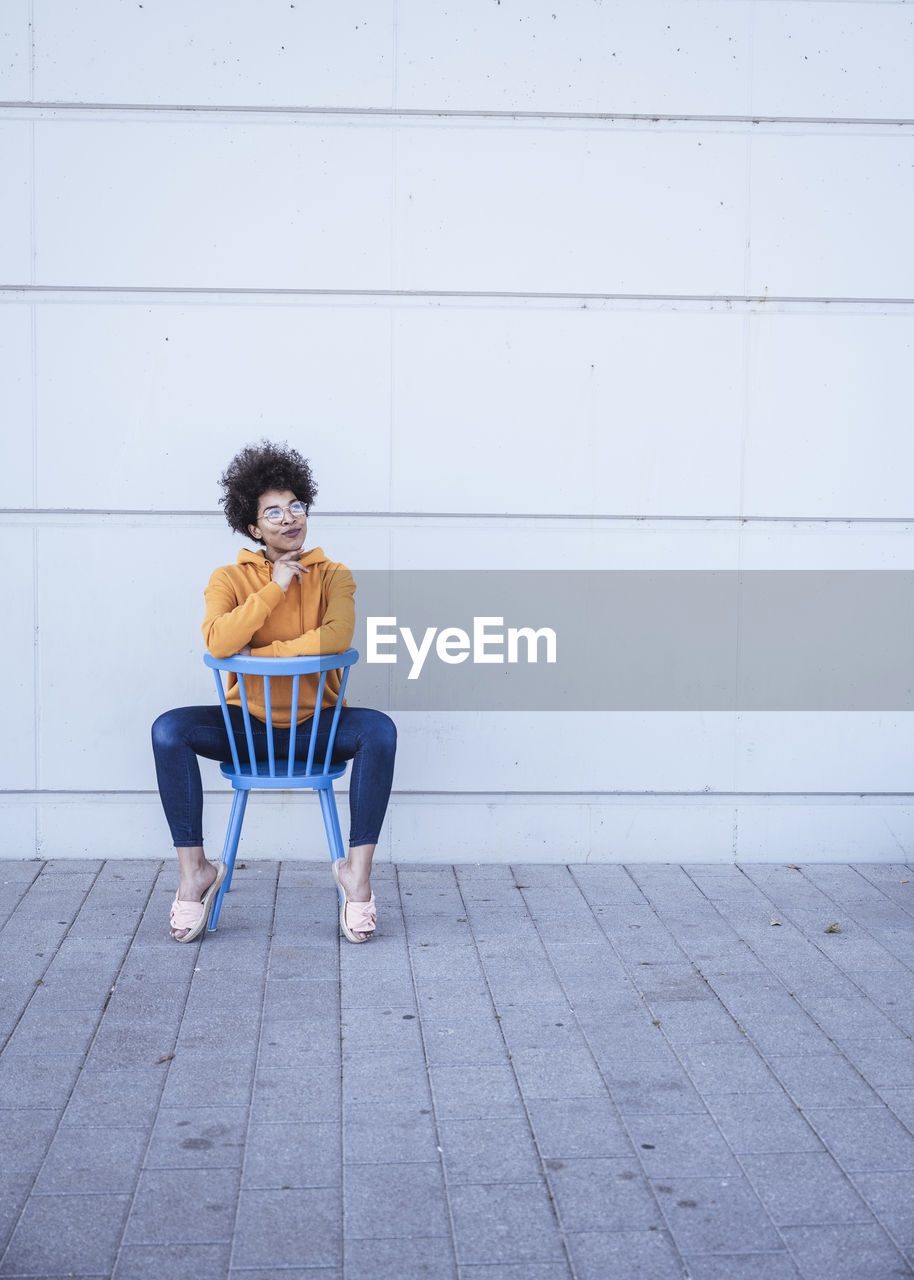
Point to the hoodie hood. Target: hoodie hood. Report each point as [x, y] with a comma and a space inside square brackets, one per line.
[259, 559]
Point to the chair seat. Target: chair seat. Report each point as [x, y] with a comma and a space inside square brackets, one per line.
[299, 779]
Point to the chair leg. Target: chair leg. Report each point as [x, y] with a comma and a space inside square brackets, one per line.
[331, 823]
[230, 848]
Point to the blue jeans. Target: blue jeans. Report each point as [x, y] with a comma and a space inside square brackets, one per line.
[367, 738]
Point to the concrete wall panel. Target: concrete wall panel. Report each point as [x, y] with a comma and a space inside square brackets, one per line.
[273, 54]
[533, 544]
[691, 57]
[567, 831]
[652, 57]
[120, 609]
[580, 396]
[558, 209]
[638, 832]
[811, 832]
[212, 204]
[15, 59]
[529, 752]
[837, 751]
[827, 545]
[829, 399]
[650, 544]
[15, 207]
[18, 828]
[493, 830]
[169, 393]
[842, 59]
[830, 215]
[713, 752]
[17, 478]
[17, 741]
[448, 831]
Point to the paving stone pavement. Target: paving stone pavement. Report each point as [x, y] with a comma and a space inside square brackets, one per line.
[533, 1072]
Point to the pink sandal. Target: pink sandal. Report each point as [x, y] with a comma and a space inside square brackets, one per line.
[194, 916]
[355, 917]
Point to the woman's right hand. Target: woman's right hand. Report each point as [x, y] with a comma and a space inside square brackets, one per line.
[286, 567]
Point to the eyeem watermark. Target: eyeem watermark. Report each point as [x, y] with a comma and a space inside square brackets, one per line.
[634, 640]
[454, 645]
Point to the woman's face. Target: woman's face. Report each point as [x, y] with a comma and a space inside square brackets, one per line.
[289, 533]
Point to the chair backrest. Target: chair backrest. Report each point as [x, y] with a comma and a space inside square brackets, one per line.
[268, 669]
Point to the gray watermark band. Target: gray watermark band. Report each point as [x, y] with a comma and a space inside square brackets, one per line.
[667, 640]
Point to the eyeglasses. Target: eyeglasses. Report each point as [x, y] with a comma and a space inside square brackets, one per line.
[273, 515]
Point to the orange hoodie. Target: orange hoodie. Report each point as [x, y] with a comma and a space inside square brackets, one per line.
[244, 606]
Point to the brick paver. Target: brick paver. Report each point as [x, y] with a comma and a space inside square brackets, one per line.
[533, 1072]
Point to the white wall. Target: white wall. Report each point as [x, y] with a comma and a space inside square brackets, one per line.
[608, 283]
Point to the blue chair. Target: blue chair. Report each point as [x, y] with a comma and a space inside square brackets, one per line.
[286, 773]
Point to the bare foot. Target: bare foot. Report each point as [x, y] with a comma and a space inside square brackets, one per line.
[358, 888]
[192, 888]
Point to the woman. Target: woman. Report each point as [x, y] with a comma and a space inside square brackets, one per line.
[275, 602]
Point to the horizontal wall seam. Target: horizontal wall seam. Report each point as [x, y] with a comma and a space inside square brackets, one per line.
[453, 113]
[27, 515]
[758, 299]
[494, 797]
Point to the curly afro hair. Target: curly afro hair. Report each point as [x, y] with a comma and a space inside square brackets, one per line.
[256, 469]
